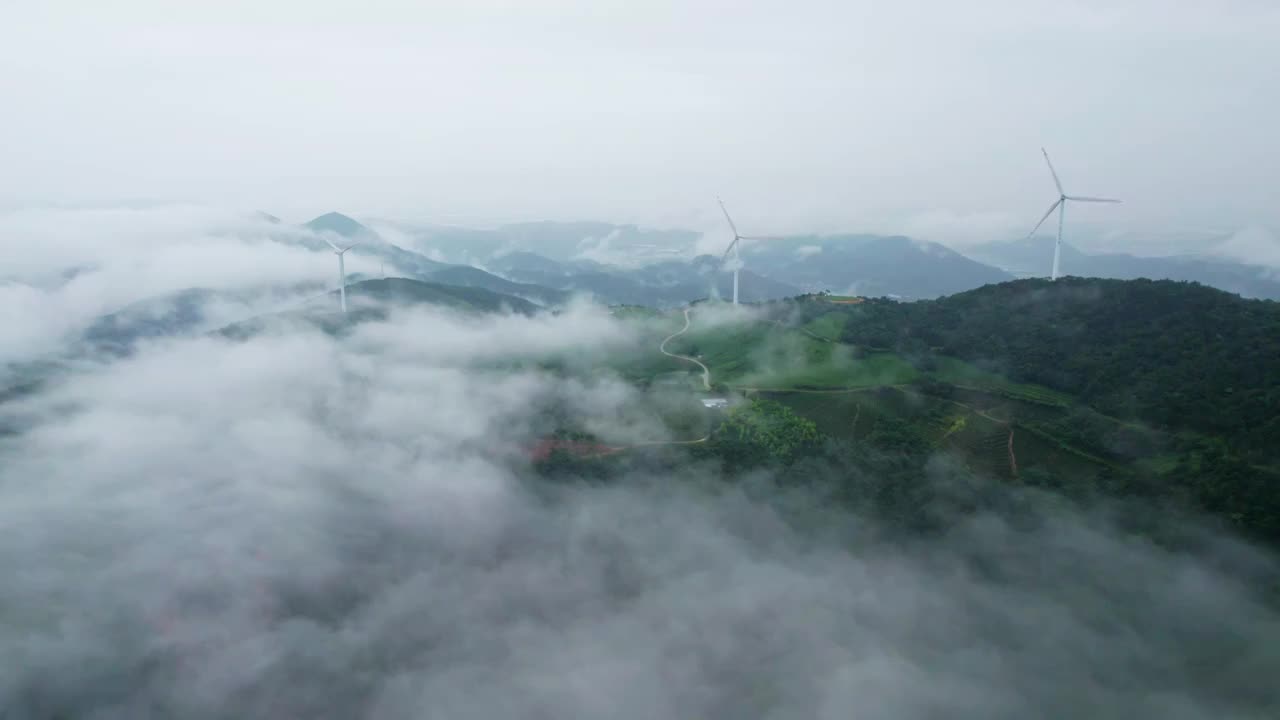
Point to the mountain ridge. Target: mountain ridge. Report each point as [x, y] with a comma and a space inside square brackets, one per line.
[1031, 256]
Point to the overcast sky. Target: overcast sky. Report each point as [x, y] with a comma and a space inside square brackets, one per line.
[806, 114]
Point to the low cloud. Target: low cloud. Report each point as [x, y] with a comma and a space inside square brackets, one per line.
[72, 266]
[295, 525]
[601, 250]
[1254, 244]
[965, 229]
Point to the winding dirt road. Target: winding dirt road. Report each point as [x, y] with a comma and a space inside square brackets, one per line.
[662, 348]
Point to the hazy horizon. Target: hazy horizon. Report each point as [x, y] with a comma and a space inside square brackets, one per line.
[917, 119]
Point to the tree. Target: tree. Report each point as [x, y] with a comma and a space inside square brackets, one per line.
[762, 431]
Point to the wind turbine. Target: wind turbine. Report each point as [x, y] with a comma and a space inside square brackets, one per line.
[1061, 206]
[734, 248]
[342, 270]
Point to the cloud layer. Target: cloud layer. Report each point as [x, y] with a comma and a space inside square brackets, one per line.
[68, 267]
[294, 526]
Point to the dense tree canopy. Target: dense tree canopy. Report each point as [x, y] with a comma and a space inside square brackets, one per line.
[762, 430]
[1199, 364]
[1175, 354]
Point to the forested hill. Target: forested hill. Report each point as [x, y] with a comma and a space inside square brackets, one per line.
[1179, 355]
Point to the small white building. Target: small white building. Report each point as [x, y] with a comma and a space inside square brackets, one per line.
[715, 402]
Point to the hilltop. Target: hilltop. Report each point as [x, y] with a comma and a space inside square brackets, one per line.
[1181, 355]
[336, 222]
[1030, 256]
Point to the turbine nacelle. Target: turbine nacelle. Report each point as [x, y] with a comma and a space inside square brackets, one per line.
[340, 250]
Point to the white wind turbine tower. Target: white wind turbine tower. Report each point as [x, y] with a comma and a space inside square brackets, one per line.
[734, 248]
[1061, 206]
[342, 270]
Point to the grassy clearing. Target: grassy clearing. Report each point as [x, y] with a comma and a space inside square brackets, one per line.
[761, 355]
[636, 312]
[839, 369]
[729, 350]
[828, 326]
[960, 373]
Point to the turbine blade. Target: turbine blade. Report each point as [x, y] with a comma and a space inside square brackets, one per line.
[1053, 172]
[729, 249]
[335, 247]
[1047, 213]
[350, 246]
[763, 237]
[725, 210]
[1083, 198]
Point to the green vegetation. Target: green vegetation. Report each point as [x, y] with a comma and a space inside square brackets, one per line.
[828, 326]
[953, 371]
[1160, 391]
[764, 355]
[762, 430]
[1177, 355]
[636, 312]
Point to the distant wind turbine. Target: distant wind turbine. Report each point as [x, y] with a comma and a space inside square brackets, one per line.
[1061, 206]
[734, 248]
[342, 270]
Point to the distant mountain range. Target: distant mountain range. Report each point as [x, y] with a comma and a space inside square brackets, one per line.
[548, 262]
[621, 245]
[547, 281]
[666, 283]
[1032, 257]
[623, 264]
[870, 265]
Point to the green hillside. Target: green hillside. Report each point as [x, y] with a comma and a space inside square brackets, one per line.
[1159, 390]
[1178, 355]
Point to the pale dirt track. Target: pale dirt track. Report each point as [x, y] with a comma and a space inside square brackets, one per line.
[706, 383]
[662, 348]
